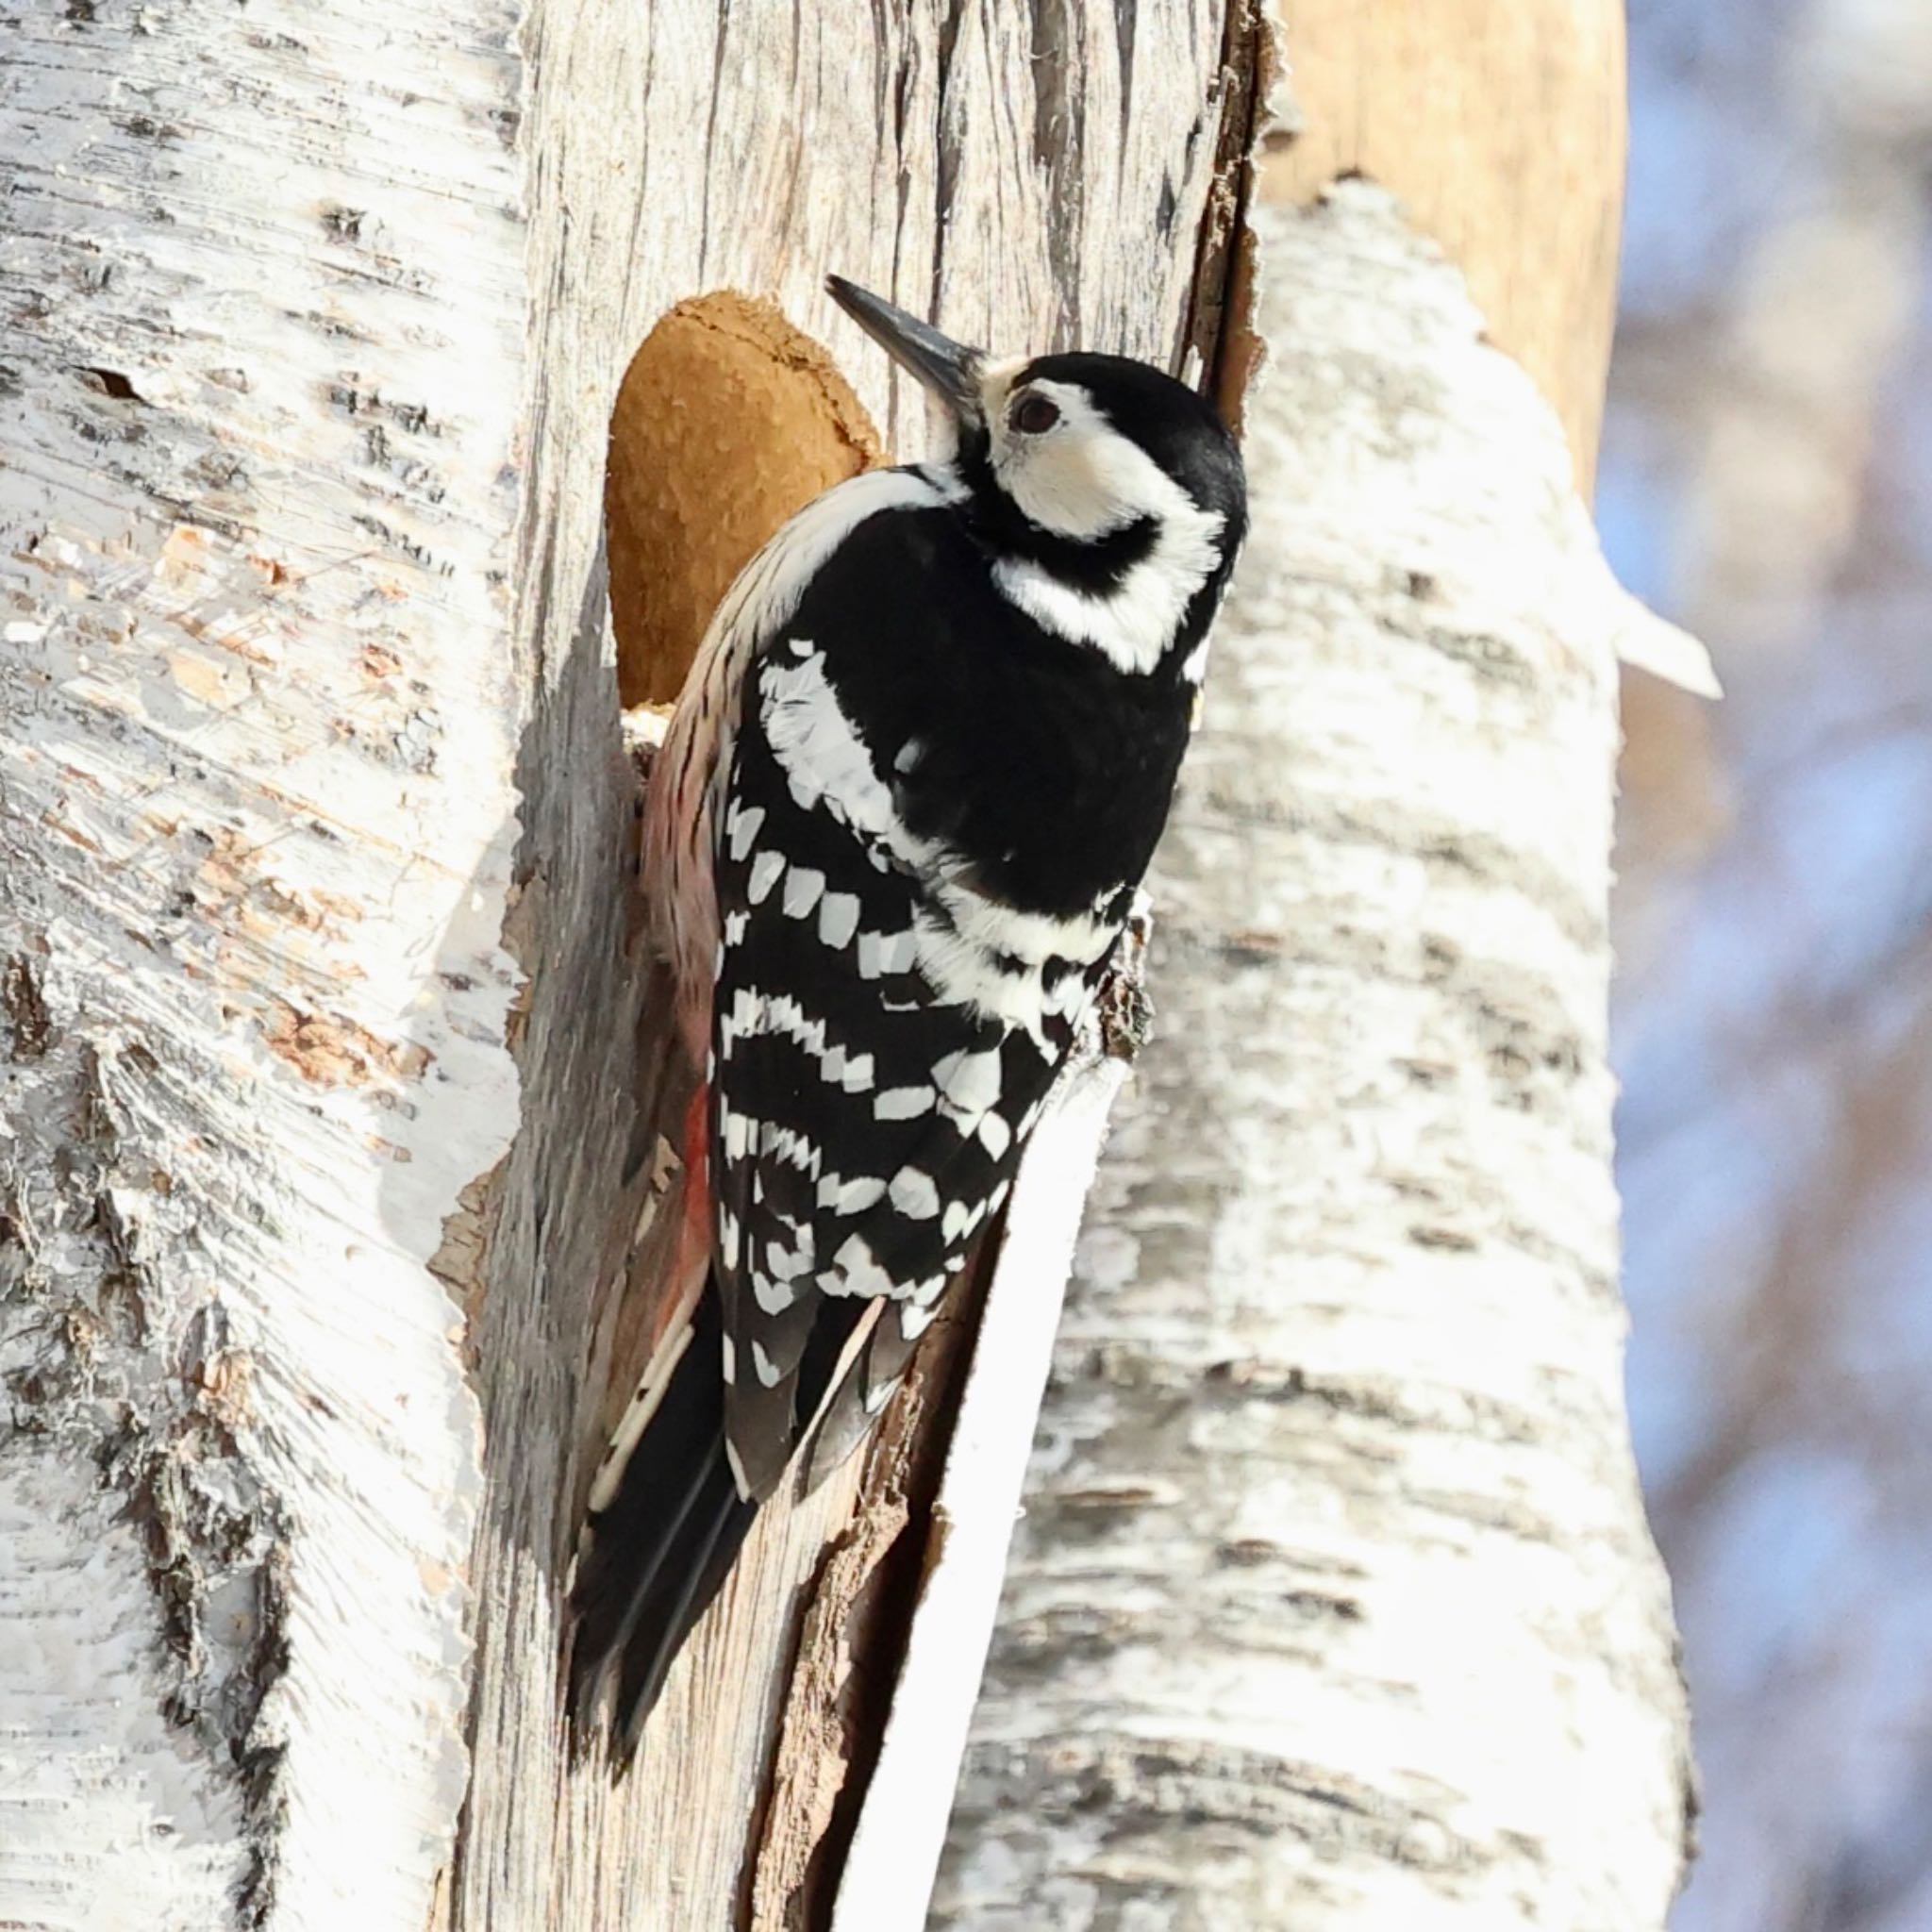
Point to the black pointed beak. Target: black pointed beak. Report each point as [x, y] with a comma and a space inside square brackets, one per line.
[949, 369]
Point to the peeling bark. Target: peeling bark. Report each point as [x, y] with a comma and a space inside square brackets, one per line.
[1334, 1604]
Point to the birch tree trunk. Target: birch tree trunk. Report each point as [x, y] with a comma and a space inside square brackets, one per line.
[1335, 1605]
[318, 1067]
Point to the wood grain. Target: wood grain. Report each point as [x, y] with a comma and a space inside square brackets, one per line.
[1031, 178]
[1501, 127]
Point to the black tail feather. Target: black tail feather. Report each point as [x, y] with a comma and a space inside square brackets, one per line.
[652, 1559]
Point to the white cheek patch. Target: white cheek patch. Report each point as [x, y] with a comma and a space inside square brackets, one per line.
[1083, 480]
[1132, 625]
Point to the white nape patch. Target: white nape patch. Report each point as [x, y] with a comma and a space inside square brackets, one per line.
[996, 1135]
[762, 1364]
[838, 919]
[903, 1103]
[1083, 480]
[914, 1194]
[970, 1080]
[766, 869]
[803, 885]
[1132, 625]
[742, 823]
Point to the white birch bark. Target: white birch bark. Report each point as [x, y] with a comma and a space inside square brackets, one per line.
[256, 820]
[1334, 1604]
[315, 1007]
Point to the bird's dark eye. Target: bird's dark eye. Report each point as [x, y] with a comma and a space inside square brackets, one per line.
[1033, 415]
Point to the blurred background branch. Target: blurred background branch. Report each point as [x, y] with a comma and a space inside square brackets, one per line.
[1767, 467]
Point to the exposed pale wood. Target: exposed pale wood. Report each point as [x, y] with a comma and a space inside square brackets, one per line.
[1334, 1606]
[900, 1832]
[317, 844]
[1500, 126]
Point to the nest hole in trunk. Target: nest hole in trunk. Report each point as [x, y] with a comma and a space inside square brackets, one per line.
[728, 420]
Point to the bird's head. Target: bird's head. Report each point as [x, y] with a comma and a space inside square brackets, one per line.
[1109, 496]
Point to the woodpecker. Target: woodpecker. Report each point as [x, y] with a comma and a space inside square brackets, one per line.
[894, 834]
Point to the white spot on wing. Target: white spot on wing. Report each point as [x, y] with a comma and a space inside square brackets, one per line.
[765, 870]
[803, 885]
[855, 1271]
[880, 953]
[772, 1297]
[823, 756]
[970, 1080]
[742, 824]
[852, 1197]
[838, 918]
[914, 1195]
[902, 1103]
